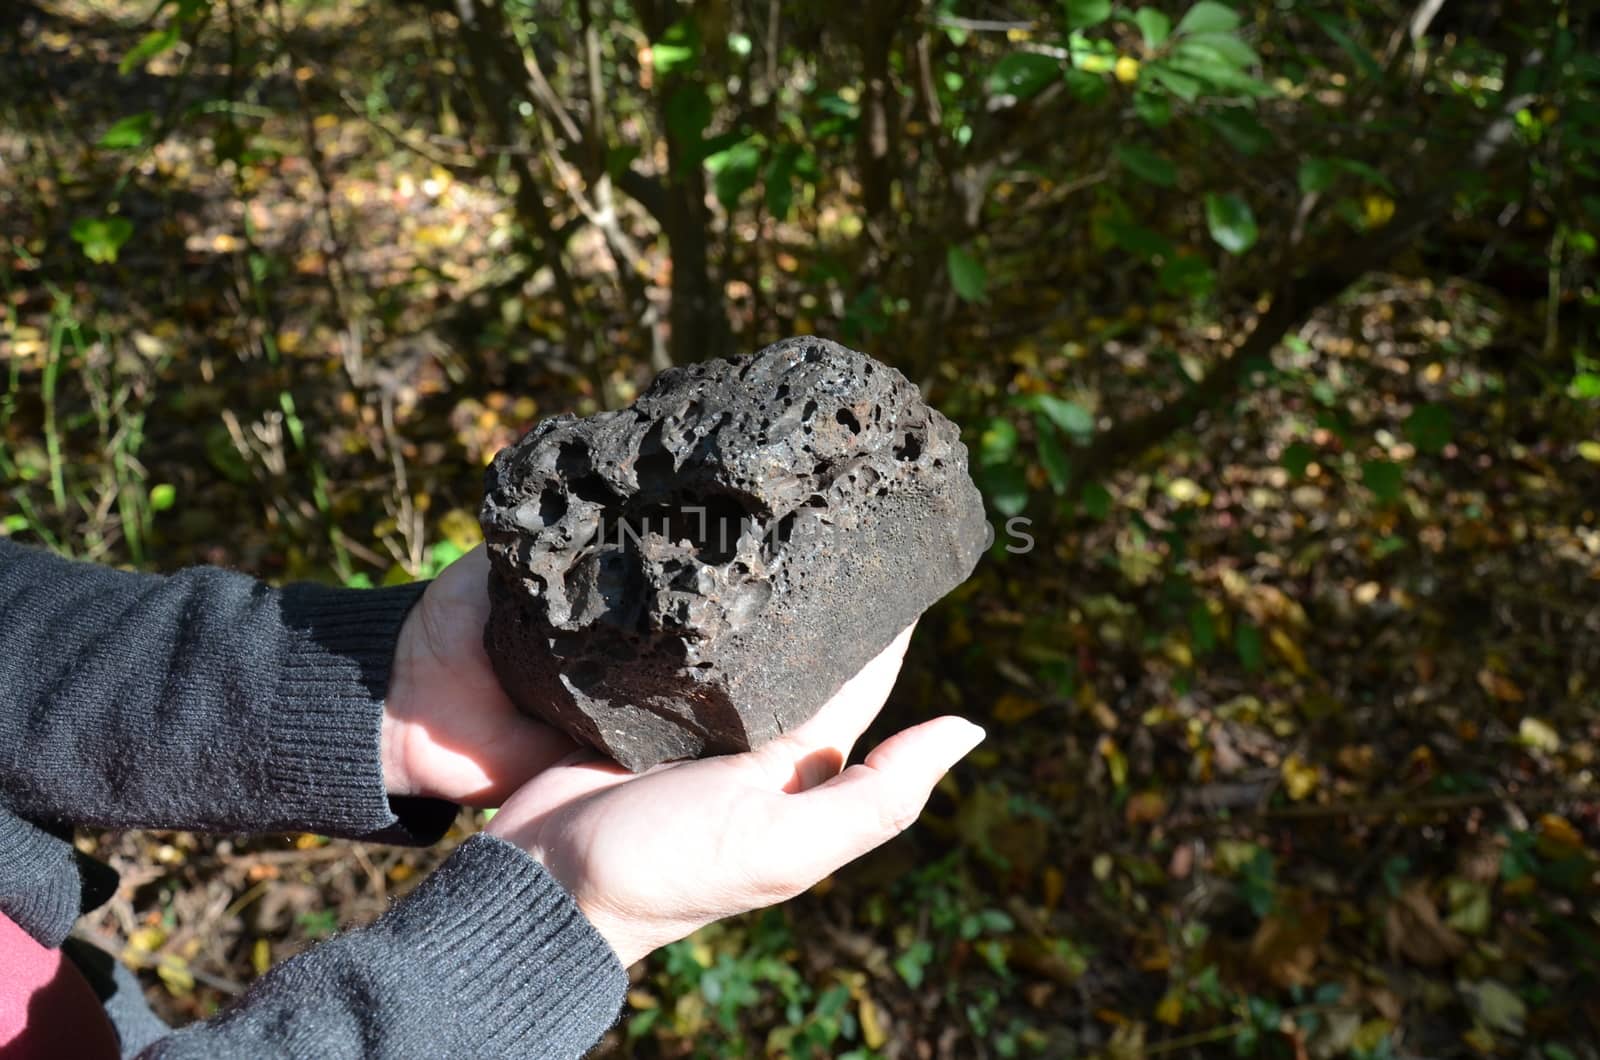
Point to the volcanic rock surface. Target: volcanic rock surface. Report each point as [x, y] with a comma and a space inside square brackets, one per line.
[700, 572]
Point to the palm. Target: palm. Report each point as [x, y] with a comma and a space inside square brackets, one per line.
[449, 730]
[650, 858]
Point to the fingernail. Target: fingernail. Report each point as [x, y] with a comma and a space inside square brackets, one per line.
[975, 736]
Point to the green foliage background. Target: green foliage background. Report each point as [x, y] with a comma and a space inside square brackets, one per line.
[1276, 323]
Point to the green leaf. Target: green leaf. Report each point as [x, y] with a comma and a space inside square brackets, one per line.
[1007, 489]
[1153, 108]
[677, 49]
[1247, 643]
[1189, 276]
[1096, 501]
[1241, 129]
[779, 181]
[1297, 456]
[1146, 164]
[1231, 223]
[1223, 77]
[132, 131]
[1585, 386]
[1086, 86]
[162, 496]
[1362, 57]
[1023, 74]
[688, 113]
[150, 45]
[913, 962]
[1136, 239]
[1365, 172]
[1429, 428]
[101, 237]
[1223, 48]
[1180, 84]
[1202, 629]
[1317, 174]
[1081, 14]
[734, 172]
[1051, 456]
[1384, 478]
[967, 275]
[1154, 25]
[998, 442]
[1208, 16]
[1070, 416]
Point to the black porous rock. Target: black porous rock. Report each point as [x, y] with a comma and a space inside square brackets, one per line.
[701, 572]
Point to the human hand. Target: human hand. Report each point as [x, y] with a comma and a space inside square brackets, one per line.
[652, 857]
[449, 731]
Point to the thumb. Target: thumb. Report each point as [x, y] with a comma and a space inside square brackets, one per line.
[820, 829]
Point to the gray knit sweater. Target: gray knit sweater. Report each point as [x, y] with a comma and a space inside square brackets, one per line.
[205, 700]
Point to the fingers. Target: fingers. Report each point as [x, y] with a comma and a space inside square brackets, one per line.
[821, 829]
[800, 759]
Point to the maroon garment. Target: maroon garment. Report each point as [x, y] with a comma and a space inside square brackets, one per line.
[47, 1008]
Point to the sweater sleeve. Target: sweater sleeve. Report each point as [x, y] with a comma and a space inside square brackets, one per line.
[489, 957]
[201, 700]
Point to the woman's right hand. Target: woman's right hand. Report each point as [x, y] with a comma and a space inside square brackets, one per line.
[652, 857]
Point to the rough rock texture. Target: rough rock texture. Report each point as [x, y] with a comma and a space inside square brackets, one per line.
[699, 573]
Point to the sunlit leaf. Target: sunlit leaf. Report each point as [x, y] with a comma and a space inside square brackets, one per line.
[101, 237]
[150, 45]
[132, 131]
[677, 49]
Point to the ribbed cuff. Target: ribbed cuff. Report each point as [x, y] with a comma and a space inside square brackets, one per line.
[527, 974]
[41, 888]
[325, 757]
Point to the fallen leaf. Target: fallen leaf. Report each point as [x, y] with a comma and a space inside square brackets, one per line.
[1499, 686]
[1557, 834]
[1284, 947]
[261, 956]
[872, 1029]
[1011, 708]
[1299, 777]
[1469, 906]
[1413, 930]
[1495, 1005]
[1538, 734]
[1289, 651]
[1146, 807]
